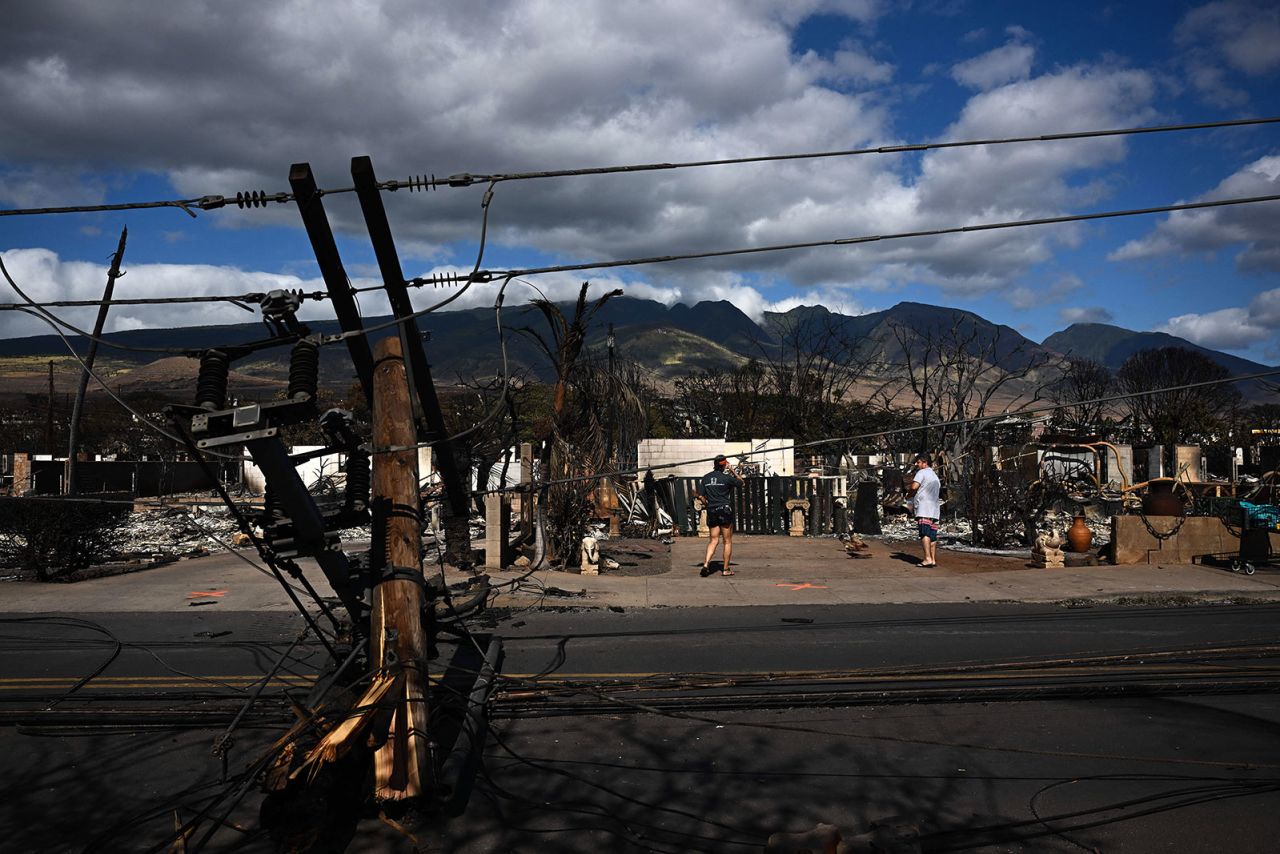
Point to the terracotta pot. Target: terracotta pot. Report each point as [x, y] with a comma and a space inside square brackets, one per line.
[1161, 500]
[1079, 537]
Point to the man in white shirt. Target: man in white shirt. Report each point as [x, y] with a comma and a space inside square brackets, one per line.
[924, 499]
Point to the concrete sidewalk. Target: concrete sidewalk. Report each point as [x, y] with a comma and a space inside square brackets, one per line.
[769, 571]
[784, 570]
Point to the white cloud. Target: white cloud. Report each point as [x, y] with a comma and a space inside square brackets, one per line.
[1083, 314]
[44, 276]
[1254, 227]
[996, 67]
[225, 102]
[1024, 297]
[1246, 35]
[1232, 328]
[852, 64]
[1265, 309]
[1225, 329]
[1240, 36]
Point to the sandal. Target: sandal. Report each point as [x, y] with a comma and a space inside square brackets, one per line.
[706, 570]
[727, 572]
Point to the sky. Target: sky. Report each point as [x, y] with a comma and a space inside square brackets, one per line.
[127, 102]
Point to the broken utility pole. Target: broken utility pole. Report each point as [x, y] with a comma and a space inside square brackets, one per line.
[92, 353]
[456, 490]
[311, 207]
[397, 636]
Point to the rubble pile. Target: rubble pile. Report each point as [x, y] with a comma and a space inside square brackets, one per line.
[957, 534]
[170, 532]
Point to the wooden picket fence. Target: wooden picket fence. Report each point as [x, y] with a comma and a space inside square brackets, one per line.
[760, 505]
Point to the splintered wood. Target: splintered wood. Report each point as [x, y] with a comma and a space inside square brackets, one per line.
[398, 642]
[344, 736]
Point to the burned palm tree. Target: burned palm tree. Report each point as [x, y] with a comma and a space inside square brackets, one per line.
[578, 434]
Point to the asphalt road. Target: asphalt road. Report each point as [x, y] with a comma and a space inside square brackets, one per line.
[622, 760]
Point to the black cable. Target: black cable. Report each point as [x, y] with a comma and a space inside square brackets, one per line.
[464, 179]
[237, 299]
[254, 199]
[474, 276]
[498, 405]
[701, 819]
[76, 622]
[1190, 796]
[247, 529]
[142, 419]
[52, 318]
[874, 238]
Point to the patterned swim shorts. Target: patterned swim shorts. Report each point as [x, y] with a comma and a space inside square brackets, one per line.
[928, 527]
[720, 517]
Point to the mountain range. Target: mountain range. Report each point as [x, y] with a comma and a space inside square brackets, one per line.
[667, 341]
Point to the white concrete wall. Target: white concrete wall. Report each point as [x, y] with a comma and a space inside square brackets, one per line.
[651, 453]
[494, 479]
[329, 464]
[1189, 463]
[1064, 463]
[426, 472]
[310, 471]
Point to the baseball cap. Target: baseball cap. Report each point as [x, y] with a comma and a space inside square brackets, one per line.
[721, 458]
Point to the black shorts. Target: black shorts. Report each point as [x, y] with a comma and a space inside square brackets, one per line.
[720, 517]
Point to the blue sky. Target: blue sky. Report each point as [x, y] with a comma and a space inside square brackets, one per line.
[105, 103]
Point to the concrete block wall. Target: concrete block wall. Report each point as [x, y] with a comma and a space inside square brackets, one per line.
[1198, 536]
[674, 452]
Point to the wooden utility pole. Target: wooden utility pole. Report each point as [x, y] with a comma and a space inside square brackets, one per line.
[398, 639]
[48, 427]
[74, 428]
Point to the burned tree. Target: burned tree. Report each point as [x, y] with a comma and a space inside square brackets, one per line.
[963, 373]
[1179, 414]
[813, 370]
[578, 443]
[954, 379]
[1083, 381]
[802, 384]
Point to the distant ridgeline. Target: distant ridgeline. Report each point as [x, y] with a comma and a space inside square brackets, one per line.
[668, 341]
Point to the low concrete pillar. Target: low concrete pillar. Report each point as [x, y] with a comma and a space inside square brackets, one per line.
[798, 513]
[497, 531]
[21, 473]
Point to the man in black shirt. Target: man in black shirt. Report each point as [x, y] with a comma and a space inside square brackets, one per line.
[716, 491]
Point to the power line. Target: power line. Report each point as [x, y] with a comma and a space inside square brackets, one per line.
[259, 198]
[143, 419]
[468, 179]
[255, 297]
[485, 276]
[873, 238]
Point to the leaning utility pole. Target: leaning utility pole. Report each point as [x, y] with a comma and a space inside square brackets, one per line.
[397, 635]
[453, 474]
[74, 429]
[48, 427]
